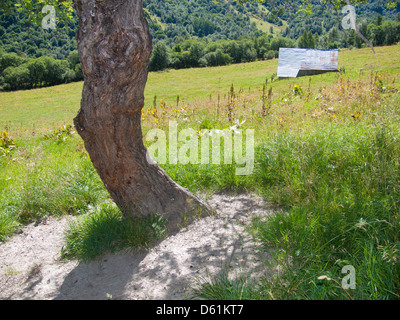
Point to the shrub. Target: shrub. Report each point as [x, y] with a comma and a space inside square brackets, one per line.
[61, 134]
[217, 58]
[16, 77]
[6, 143]
[160, 57]
[10, 60]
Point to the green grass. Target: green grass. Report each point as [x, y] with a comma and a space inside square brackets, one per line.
[34, 111]
[338, 190]
[44, 178]
[221, 287]
[333, 175]
[106, 230]
[24, 112]
[342, 192]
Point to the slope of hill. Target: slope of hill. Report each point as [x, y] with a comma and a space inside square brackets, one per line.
[209, 19]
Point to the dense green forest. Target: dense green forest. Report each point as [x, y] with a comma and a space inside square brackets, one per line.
[192, 33]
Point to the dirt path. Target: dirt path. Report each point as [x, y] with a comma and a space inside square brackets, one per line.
[30, 265]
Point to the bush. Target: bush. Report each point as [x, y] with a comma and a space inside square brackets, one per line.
[271, 54]
[281, 42]
[61, 134]
[217, 58]
[37, 71]
[160, 58]
[10, 60]
[306, 40]
[43, 71]
[55, 70]
[73, 59]
[6, 143]
[16, 77]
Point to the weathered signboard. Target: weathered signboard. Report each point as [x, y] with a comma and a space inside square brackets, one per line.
[295, 61]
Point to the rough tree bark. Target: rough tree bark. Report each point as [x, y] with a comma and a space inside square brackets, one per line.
[114, 44]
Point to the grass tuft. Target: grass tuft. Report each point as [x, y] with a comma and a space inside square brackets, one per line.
[106, 230]
[221, 287]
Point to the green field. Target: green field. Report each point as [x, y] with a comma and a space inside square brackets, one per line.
[327, 155]
[49, 107]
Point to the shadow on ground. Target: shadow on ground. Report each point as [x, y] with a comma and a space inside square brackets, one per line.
[208, 247]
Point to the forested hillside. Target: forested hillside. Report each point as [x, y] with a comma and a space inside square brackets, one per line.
[193, 33]
[176, 20]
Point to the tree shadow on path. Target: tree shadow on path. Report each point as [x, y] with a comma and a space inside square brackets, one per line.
[207, 247]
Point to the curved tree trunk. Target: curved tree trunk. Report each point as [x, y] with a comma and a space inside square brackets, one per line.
[114, 45]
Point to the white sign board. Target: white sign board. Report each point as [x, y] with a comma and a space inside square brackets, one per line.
[292, 60]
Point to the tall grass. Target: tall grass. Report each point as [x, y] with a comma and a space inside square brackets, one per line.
[221, 287]
[339, 198]
[44, 178]
[330, 160]
[342, 192]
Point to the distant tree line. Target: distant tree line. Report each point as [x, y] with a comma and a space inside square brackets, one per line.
[200, 53]
[193, 53]
[18, 73]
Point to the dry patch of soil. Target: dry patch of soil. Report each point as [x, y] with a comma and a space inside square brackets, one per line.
[31, 268]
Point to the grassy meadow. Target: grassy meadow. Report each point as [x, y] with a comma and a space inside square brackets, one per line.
[327, 154]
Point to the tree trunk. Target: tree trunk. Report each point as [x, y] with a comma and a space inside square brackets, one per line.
[114, 45]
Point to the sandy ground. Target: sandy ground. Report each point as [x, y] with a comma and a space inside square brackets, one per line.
[31, 268]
